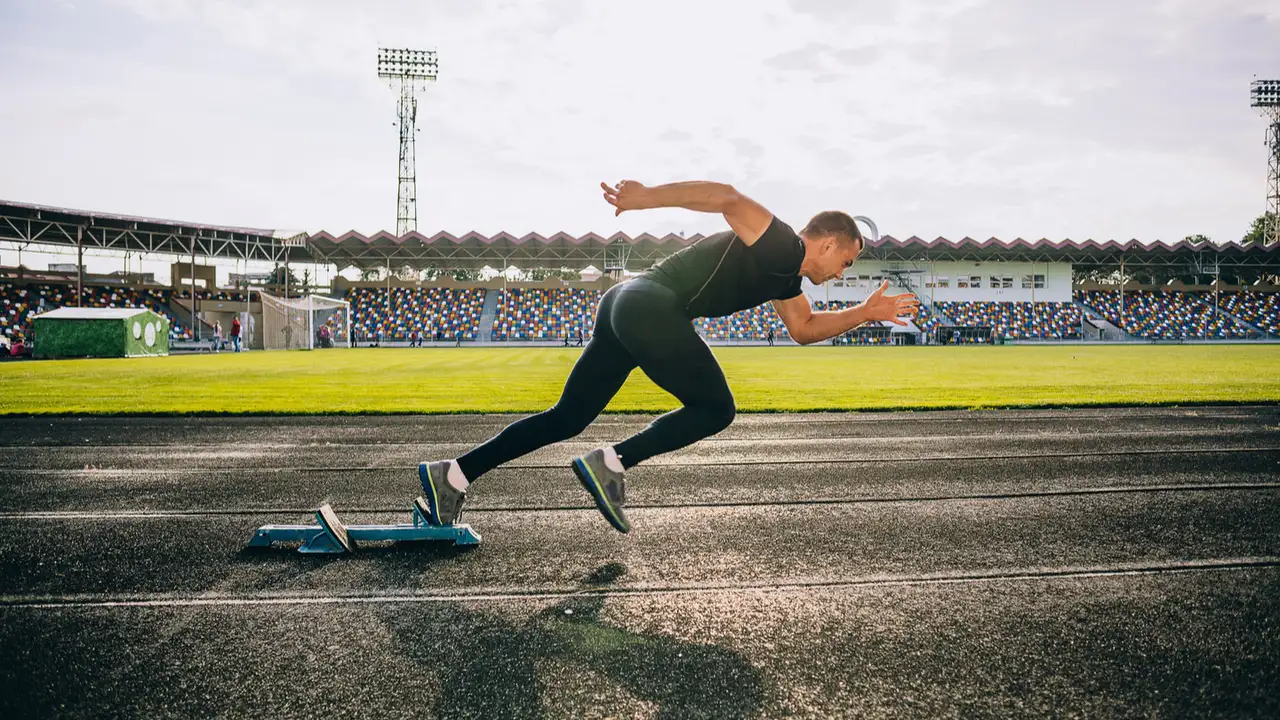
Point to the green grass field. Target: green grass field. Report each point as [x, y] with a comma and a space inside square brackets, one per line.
[448, 380]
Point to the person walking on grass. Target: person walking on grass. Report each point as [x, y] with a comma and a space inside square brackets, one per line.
[647, 322]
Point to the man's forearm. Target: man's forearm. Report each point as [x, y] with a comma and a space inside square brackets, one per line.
[698, 195]
[828, 324]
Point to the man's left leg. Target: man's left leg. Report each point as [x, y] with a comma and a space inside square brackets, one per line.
[689, 371]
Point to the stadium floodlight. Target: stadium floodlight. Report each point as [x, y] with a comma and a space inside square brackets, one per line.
[1265, 96]
[1265, 93]
[407, 71]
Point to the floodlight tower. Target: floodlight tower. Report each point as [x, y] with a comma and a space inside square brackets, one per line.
[407, 71]
[1265, 96]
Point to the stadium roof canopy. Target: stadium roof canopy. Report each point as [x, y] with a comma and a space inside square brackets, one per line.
[565, 250]
[24, 223]
[1086, 253]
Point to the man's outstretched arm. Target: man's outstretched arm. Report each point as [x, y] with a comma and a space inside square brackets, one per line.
[745, 216]
[806, 326]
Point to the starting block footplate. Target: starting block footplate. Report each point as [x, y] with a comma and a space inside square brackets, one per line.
[325, 537]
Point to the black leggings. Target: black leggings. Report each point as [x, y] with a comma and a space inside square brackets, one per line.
[639, 323]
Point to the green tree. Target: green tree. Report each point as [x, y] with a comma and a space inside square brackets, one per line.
[1258, 230]
[277, 277]
[1197, 238]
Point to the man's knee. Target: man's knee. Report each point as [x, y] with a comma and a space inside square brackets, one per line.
[720, 414]
[571, 421]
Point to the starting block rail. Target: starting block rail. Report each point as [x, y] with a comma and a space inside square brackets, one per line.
[332, 536]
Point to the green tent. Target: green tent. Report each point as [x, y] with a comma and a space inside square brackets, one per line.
[100, 332]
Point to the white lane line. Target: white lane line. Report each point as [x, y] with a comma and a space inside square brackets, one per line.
[1079, 455]
[1032, 494]
[146, 600]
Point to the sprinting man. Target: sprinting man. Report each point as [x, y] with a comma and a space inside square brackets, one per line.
[647, 322]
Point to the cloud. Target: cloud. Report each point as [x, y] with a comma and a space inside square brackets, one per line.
[810, 58]
[937, 117]
[748, 148]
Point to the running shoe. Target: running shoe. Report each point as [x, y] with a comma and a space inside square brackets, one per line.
[443, 500]
[608, 488]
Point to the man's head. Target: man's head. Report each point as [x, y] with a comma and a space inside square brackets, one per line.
[832, 241]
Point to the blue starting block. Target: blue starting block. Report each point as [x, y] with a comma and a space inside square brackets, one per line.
[331, 535]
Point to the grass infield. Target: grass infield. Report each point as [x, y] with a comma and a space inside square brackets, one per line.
[782, 379]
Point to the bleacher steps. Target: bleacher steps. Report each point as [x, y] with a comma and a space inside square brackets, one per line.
[488, 313]
[1241, 322]
[1109, 331]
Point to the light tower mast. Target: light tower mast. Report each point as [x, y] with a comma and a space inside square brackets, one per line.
[1265, 96]
[407, 72]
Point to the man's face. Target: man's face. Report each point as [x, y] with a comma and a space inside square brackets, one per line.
[836, 257]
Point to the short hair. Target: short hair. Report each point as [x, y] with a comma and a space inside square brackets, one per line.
[834, 222]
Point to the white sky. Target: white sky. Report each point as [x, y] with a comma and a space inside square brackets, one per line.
[1063, 119]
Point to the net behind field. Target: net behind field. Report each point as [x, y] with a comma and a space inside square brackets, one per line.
[309, 323]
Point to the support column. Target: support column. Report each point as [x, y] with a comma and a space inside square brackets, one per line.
[1122, 279]
[195, 308]
[79, 266]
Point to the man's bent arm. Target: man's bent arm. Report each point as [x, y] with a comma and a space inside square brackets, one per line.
[830, 323]
[698, 195]
[745, 216]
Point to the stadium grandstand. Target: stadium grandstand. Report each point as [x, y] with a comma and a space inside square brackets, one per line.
[971, 291]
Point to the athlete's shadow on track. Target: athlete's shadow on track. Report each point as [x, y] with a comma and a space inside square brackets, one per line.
[492, 663]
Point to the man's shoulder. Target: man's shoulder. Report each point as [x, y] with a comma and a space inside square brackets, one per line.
[780, 228]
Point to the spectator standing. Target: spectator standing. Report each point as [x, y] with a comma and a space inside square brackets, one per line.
[235, 334]
[217, 336]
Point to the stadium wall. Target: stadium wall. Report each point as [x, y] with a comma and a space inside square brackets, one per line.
[952, 281]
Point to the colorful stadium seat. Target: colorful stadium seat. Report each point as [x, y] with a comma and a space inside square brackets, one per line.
[1262, 310]
[434, 312]
[1164, 315]
[545, 313]
[19, 303]
[752, 324]
[1016, 320]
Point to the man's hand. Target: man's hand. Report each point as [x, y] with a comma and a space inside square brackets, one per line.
[625, 195]
[879, 306]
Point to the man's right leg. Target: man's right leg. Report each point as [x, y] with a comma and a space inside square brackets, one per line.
[597, 376]
[600, 371]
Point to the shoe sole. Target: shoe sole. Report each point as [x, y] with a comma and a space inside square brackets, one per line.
[588, 480]
[429, 487]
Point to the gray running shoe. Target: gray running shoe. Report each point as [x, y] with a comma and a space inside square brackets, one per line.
[608, 488]
[443, 500]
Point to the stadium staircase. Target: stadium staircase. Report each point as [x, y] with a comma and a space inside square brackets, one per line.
[933, 310]
[1110, 332]
[1262, 333]
[903, 279]
[488, 312]
[184, 316]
